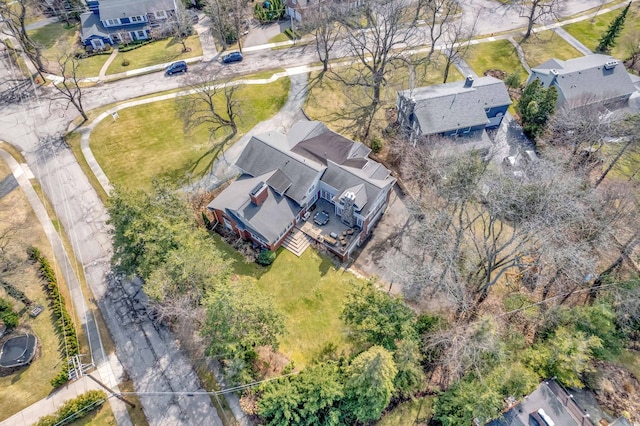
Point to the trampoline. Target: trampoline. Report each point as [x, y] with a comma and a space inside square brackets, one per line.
[18, 351]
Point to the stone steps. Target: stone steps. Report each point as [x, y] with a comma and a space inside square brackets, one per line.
[297, 242]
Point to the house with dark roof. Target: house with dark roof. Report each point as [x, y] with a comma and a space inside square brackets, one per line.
[551, 404]
[300, 10]
[453, 109]
[586, 80]
[286, 177]
[122, 21]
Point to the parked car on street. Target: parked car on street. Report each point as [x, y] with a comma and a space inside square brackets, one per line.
[176, 68]
[232, 57]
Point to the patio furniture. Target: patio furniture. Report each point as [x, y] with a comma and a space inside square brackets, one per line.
[333, 235]
[321, 218]
[330, 240]
[350, 231]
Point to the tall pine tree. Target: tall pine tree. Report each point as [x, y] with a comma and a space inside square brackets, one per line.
[608, 39]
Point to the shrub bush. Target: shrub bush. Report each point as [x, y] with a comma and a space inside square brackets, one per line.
[74, 409]
[513, 80]
[64, 323]
[376, 144]
[7, 315]
[266, 257]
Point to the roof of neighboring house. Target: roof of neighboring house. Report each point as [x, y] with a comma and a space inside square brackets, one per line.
[586, 78]
[545, 398]
[447, 107]
[290, 165]
[114, 9]
[267, 220]
[90, 25]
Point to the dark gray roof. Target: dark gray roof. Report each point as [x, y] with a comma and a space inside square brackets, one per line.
[446, 107]
[279, 182]
[267, 152]
[267, 220]
[113, 9]
[332, 146]
[586, 79]
[90, 25]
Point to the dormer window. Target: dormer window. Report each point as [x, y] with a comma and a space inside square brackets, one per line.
[137, 19]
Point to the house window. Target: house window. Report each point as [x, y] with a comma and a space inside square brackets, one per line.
[137, 19]
[141, 35]
[97, 44]
[112, 22]
[467, 130]
[160, 15]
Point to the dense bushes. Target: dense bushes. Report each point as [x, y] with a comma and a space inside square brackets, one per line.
[266, 257]
[7, 315]
[75, 409]
[63, 319]
[269, 11]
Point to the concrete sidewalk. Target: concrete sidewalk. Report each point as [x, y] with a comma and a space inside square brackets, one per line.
[573, 41]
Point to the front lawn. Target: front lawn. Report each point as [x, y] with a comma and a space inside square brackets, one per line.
[310, 292]
[56, 39]
[157, 52]
[150, 140]
[542, 46]
[589, 33]
[499, 55]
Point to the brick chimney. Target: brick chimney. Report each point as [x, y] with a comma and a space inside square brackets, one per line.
[259, 193]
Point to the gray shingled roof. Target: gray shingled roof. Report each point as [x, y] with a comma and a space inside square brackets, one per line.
[113, 9]
[267, 220]
[446, 107]
[261, 156]
[90, 25]
[586, 78]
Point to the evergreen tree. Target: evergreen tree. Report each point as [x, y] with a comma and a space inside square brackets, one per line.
[608, 39]
[535, 107]
[369, 385]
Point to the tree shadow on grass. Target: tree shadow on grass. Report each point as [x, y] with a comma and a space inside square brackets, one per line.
[210, 156]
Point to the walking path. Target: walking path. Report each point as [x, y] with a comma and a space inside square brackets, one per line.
[84, 313]
[105, 67]
[520, 52]
[573, 41]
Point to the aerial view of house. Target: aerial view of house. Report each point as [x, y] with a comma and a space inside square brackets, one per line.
[460, 108]
[591, 79]
[286, 176]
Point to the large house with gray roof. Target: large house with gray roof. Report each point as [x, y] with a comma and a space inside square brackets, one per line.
[110, 22]
[591, 79]
[285, 177]
[459, 108]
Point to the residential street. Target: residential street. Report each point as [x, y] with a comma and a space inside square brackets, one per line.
[34, 124]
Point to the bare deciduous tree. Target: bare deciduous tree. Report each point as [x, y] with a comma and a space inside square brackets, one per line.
[375, 50]
[323, 24]
[15, 16]
[228, 20]
[439, 13]
[69, 89]
[457, 39]
[537, 11]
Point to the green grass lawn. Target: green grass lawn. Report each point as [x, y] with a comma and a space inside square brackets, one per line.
[309, 291]
[542, 46]
[56, 39]
[589, 33]
[150, 140]
[407, 413]
[158, 52]
[330, 98]
[91, 66]
[500, 55]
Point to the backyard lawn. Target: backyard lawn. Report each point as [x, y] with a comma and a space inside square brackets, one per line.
[499, 55]
[408, 412]
[154, 53]
[29, 384]
[589, 33]
[309, 292]
[330, 100]
[542, 46]
[135, 148]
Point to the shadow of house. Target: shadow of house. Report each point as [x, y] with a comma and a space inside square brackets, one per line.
[461, 108]
[110, 22]
[286, 177]
[589, 80]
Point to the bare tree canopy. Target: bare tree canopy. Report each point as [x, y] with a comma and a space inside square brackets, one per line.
[14, 26]
[69, 89]
[537, 11]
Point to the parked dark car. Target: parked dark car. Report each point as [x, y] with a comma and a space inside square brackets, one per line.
[232, 57]
[176, 68]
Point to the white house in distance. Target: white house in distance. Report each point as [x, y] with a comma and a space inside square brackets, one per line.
[591, 79]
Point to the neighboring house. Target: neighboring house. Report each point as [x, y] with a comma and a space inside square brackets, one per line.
[587, 80]
[117, 21]
[458, 108]
[284, 179]
[300, 10]
[552, 405]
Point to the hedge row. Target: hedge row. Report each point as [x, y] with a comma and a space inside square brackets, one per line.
[75, 409]
[63, 319]
[15, 292]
